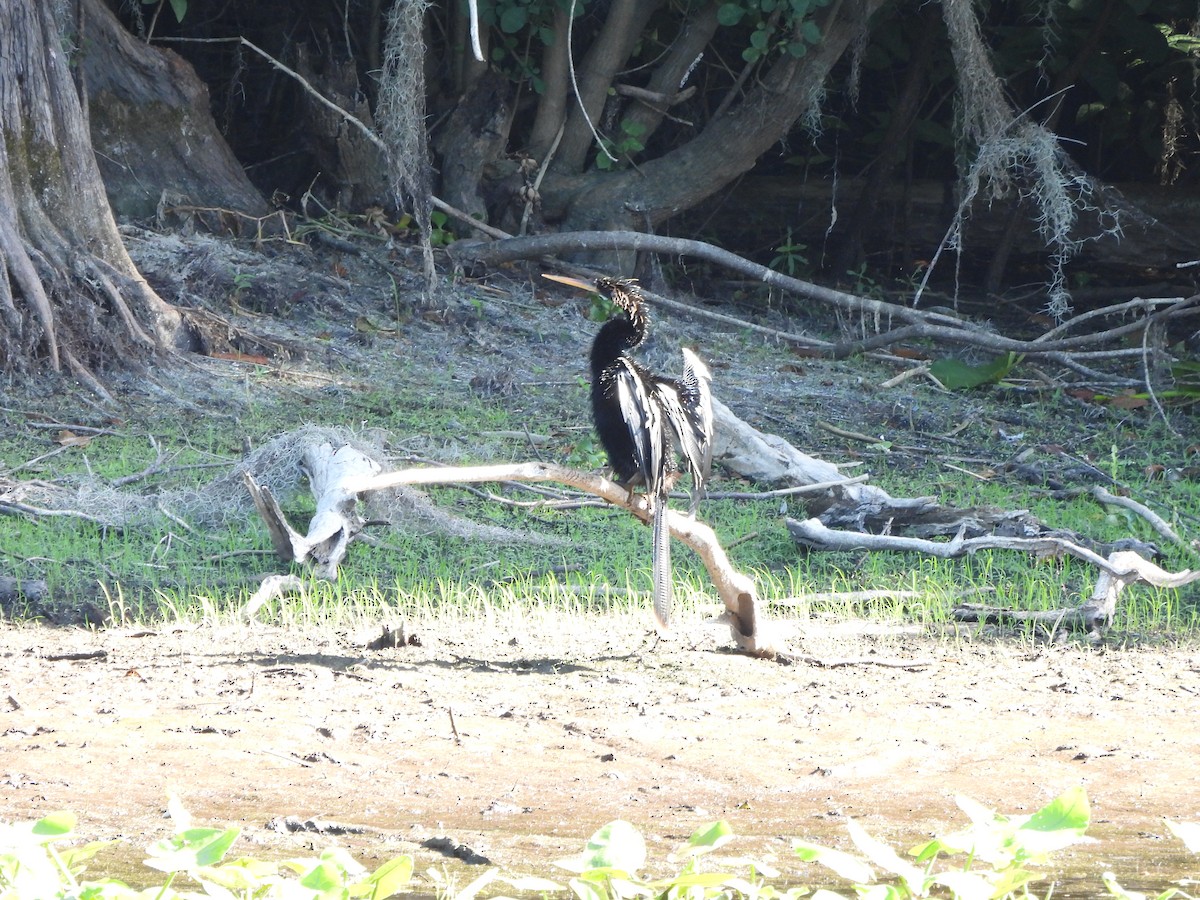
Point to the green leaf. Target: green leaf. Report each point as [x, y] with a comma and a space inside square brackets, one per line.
[849, 867]
[513, 19]
[324, 877]
[390, 877]
[74, 856]
[471, 891]
[617, 848]
[191, 849]
[55, 825]
[958, 375]
[585, 890]
[1114, 888]
[1068, 811]
[887, 858]
[617, 845]
[709, 837]
[632, 128]
[810, 31]
[730, 13]
[531, 884]
[699, 879]
[1060, 823]
[179, 7]
[175, 808]
[1188, 832]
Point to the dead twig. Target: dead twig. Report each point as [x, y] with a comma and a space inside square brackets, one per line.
[837, 662]
[919, 323]
[1154, 519]
[814, 533]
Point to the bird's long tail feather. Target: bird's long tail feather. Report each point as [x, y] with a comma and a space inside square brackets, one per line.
[663, 583]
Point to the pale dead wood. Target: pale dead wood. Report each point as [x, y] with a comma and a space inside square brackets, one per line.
[918, 323]
[815, 534]
[737, 591]
[847, 597]
[837, 662]
[1154, 519]
[14, 590]
[769, 459]
[336, 521]
[272, 586]
[1121, 569]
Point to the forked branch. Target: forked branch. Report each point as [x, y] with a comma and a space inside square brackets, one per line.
[737, 590]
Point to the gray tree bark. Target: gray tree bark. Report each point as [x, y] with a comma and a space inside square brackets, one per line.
[69, 293]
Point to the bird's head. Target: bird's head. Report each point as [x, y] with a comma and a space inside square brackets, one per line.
[624, 293]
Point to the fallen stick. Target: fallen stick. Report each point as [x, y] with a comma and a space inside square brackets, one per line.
[737, 591]
[1156, 521]
[1121, 569]
[1124, 568]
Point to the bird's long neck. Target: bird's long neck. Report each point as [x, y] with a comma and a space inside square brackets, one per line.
[617, 337]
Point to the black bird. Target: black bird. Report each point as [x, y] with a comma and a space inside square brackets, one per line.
[643, 419]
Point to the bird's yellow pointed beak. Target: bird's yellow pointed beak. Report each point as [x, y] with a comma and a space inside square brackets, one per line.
[573, 282]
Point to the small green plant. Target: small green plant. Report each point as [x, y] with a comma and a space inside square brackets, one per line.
[794, 37]
[789, 256]
[601, 309]
[439, 231]
[865, 285]
[179, 7]
[628, 144]
[956, 375]
[32, 867]
[992, 859]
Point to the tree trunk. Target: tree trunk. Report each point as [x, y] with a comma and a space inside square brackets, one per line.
[151, 126]
[69, 291]
[622, 28]
[728, 147]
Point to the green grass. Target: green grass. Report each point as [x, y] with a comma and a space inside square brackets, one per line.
[149, 566]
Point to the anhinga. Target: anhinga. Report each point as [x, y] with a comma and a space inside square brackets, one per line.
[642, 418]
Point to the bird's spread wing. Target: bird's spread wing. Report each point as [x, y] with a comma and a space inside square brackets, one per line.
[687, 407]
[643, 419]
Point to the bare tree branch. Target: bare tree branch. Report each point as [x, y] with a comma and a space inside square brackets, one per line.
[737, 590]
[920, 324]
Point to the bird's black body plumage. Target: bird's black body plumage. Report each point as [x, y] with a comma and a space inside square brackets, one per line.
[642, 419]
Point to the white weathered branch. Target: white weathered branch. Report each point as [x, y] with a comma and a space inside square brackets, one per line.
[815, 534]
[1154, 519]
[336, 520]
[1121, 569]
[737, 591]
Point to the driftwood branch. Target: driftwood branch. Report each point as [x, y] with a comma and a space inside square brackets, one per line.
[336, 521]
[919, 323]
[1154, 519]
[1119, 570]
[814, 534]
[1122, 569]
[736, 590]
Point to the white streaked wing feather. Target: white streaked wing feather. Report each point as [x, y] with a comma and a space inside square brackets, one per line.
[641, 418]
